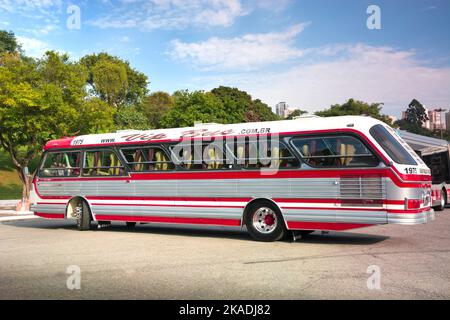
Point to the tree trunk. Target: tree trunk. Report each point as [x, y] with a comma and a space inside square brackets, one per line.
[26, 188]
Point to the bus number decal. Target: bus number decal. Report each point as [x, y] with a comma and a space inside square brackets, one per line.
[77, 142]
[411, 170]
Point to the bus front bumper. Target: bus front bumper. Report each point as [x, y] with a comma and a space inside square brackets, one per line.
[411, 218]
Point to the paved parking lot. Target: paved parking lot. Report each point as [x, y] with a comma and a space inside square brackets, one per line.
[183, 263]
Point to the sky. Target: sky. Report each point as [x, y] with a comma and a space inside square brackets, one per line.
[308, 53]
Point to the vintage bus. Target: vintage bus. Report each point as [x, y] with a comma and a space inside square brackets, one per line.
[302, 175]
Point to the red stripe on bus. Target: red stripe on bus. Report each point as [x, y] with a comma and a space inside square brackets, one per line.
[408, 211]
[166, 205]
[203, 221]
[324, 225]
[281, 174]
[216, 199]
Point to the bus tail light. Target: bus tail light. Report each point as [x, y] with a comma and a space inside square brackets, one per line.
[412, 204]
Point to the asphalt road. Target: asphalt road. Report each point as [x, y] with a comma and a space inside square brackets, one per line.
[184, 263]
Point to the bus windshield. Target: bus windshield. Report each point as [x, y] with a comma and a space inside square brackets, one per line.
[392, 147]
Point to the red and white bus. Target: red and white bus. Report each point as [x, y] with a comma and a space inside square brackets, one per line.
[308, 174]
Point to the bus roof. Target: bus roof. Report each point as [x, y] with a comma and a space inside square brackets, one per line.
[425, 145]
[308, 125]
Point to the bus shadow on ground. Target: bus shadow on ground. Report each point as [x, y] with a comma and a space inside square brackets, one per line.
[206, 232]
[343, 238]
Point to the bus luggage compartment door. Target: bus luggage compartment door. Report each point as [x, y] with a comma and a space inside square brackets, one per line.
[364, 196]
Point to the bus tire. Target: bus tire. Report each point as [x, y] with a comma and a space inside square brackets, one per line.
[441, 205]
[264, 221]
[84, 221]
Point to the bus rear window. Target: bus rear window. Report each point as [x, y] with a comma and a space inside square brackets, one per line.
[392, 147]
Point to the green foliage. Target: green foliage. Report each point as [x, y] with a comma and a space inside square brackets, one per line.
[296, 113]
[127, 86]
[416, 114]
[221, 105]
[240, 107]
[8, 43]
[191, 107]
[110, 81]
[130, 118]
[10, 184]
[95, 116]
[43, 100]
[155, 107]
[357, 108]
[259, 111]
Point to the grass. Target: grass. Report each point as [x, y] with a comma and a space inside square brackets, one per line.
[10, 185]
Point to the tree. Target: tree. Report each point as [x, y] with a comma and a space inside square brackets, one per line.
[96, 116]
[42, 100]
[110, 82]
[240, 107]
[355, 107]
[114, 80]
[416, 113]
[191, 107]
[416, 116]
[8, 43]
[259, 111]
[127, 118]
[296, 113]
[155, 107]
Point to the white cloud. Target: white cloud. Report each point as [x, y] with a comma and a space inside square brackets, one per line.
[34, 47]
[248, 51]
[170, 14]
[368, 73]
[28, 5]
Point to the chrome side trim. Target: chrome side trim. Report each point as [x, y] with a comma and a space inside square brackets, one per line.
[411, 219]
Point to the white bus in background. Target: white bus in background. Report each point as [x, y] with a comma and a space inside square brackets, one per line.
[300, 175]
[436, 155]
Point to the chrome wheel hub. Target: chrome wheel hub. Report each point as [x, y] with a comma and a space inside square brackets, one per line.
[265, 220]
[78, 212]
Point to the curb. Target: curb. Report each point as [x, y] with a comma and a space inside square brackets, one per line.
[18, 217]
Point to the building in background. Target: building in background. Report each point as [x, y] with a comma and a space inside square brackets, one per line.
[447, 121]
[436, 119]
[283, 110]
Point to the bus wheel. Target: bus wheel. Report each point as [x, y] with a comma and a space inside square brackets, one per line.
[84, 216]
[131, 225]
[441, 205]
[264, 222]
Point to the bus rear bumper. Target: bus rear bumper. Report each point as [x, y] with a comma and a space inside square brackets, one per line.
[411, 218]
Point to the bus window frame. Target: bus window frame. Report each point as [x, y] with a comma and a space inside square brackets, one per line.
[224, 149]
[44, 156]
[144, 146]
[126, 171]
[281, 141]
[358, 137]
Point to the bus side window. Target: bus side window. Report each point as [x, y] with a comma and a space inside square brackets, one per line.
[102, 163]
[209, 157]
[335, 151]
[264, 154]
[147, 159]
[61, 164]
[213, 157]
